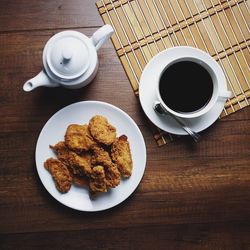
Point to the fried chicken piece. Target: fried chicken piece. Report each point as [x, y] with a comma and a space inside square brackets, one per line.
[78, 164]
[80, 180]
[101, 130]
[78, 138]
[100, 156]
[60, 174]
[97, 181]
[112, 176]
[121, 155]
[103, 158]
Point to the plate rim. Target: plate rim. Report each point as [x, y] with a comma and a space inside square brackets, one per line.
[138, 132]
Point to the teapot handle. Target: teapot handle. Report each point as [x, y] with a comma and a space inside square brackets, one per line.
[102, 35]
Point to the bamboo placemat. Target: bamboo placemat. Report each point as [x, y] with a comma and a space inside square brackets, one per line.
[143, 28]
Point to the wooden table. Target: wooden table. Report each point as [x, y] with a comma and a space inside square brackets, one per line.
[191, 196]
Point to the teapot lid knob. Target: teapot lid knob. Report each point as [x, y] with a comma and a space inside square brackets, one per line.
[67, 53]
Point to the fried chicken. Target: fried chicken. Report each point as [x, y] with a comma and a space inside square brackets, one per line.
[112, 175]
[121, 155]
[80, 180]
[60, 174]
[102, 157]
[78, 164]
[101, 130]
[90, 156]
[97, 182]
[78, 138]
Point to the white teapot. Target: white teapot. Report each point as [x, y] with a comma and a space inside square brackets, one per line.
[70, 59]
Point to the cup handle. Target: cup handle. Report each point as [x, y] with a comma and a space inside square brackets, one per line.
[102, 35]
[158, 108]
[225, 94]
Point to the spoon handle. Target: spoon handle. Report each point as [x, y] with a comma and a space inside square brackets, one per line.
[159, 109]
[196, 137]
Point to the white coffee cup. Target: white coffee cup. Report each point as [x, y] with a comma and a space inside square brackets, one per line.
[185, 53]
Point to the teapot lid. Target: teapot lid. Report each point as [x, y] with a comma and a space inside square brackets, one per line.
[67, 55]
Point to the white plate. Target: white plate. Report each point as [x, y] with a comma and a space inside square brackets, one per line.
[80, 113]
[147, 95]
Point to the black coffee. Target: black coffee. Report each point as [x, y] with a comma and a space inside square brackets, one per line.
[186, 86]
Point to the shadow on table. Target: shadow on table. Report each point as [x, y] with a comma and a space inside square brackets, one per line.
[59, 97]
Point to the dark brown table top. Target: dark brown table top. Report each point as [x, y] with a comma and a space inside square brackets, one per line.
[191, 196]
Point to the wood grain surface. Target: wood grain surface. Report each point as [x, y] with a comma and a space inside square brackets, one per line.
[191, 196]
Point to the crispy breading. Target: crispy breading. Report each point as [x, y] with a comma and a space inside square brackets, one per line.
[100, 156]
[60, 148]
[80, 180]
[101, 130]
[121, 155]
[112, 175]
[91, 156]
[97, 181]
[78, 164]
[60, 174]
[78, 138]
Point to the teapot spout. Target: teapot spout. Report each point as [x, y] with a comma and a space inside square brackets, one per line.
[39, 80]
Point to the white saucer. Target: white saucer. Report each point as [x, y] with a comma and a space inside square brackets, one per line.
[147, 95]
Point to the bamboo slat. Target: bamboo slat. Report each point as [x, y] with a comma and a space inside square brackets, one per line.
[143, 28]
